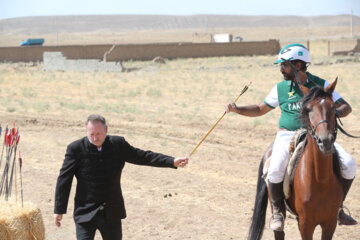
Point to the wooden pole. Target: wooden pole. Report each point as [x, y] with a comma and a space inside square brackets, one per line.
[212, 128]
[351, 24]
[15, 183]
[308, 45]
[21, 187]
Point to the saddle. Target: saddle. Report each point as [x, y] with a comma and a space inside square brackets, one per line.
[296, 147]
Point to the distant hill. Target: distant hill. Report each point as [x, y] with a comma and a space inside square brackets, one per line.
[115, 23]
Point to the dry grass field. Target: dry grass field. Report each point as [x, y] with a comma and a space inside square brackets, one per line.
[140, 36]
[167, 108]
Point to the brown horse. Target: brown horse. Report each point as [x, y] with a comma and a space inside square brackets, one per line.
[316, 193]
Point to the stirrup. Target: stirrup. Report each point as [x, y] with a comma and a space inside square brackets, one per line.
[344, 208]
[348, 215]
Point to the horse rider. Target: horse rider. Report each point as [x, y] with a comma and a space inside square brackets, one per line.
[284, 95]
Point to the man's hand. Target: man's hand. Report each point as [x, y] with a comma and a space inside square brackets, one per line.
[230, 108]
[181, 161]
[57, 219]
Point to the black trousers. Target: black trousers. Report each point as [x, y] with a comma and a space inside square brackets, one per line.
[108, 231]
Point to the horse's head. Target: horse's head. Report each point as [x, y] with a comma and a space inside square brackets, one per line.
[319, 115]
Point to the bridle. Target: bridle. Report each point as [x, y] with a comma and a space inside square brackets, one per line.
[337, 117]
[312, 132]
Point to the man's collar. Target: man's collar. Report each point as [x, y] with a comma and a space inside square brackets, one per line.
[92, 147]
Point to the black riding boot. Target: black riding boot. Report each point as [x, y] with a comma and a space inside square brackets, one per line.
[277, 201]
[343, 218]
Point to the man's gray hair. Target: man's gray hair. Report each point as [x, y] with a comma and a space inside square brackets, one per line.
[95, 118]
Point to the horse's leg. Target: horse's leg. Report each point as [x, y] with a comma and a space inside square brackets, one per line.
[306, 229]
[279, 235]
[328, 230]
[261, 202]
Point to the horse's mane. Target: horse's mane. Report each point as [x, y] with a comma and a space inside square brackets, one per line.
[315, 92]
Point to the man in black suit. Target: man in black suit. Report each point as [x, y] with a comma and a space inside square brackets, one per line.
[97, 162]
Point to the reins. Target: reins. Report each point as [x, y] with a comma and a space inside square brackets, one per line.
[342, 130]
[337, 126]
[312, 132]
[293, 68]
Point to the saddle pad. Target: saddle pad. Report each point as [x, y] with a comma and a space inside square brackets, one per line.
[296, 145]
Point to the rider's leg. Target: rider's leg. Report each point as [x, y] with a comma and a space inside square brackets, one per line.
[348, 170]
[276, 172]
[278, 206]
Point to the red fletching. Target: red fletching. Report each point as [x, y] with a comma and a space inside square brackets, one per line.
[11, 140]
[8, 140]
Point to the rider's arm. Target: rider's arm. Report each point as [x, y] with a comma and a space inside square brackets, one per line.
[343, 108]
[270, 102]
[250, 110]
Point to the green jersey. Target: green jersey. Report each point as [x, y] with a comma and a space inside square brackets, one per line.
[290, 103]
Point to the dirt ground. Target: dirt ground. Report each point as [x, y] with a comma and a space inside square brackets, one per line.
[212, 198]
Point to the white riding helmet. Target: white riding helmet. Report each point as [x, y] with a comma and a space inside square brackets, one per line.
[294, 52]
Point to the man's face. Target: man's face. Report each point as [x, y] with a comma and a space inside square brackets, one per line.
[286, 71]
[96, 133]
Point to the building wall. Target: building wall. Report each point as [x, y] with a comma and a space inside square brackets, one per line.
[356, 49]
[55, 61]
[125, 52]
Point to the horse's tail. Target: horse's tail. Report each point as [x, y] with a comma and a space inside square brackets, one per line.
[261, 202]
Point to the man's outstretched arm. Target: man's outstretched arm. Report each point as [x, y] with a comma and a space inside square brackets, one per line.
[250, 110]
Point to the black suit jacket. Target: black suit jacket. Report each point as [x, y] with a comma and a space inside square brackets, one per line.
[98, 176]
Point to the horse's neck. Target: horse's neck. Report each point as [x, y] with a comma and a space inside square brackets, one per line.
[317, 163]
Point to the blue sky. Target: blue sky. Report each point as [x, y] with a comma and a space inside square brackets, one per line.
[23, 8]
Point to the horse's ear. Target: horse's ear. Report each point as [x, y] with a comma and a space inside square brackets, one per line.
[304, 89]
[331, 87]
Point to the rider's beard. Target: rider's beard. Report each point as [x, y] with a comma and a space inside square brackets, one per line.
[286, 76]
